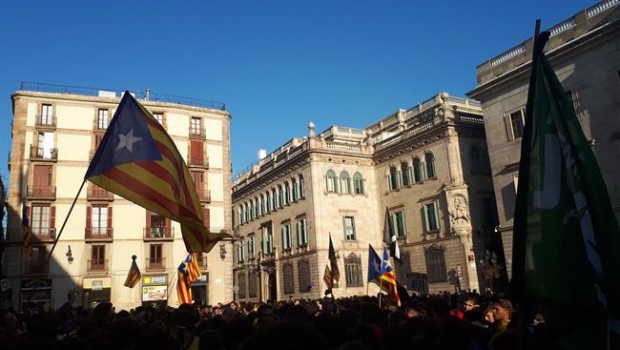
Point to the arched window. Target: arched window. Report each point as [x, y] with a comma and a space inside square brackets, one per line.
[276, 198]
[294, 189]
[435, 264]
[393, 178]
[331, 181]
[358, 183]
[301, 186]
[417, 170]
[429, 158]
[286, 199]
[345, 182]
[259, 206]
[404, 173]
[269, 202]
[282, 196]
[353, 270]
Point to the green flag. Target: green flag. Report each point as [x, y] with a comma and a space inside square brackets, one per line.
[566, 254]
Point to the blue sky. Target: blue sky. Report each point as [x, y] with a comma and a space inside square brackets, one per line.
[276, 64]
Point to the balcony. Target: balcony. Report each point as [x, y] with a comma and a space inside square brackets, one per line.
[197, 133]
[200, 160]
[41, 192]
[95, 192]
[43, 234]
[98, 234]
[48, 123]
[161, 233]
[204, 196]
[98, 267]
[44, 154]
[155, 264]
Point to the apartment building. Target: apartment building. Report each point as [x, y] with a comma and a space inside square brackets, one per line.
[584, 51]
[424, 170]
[83, 238]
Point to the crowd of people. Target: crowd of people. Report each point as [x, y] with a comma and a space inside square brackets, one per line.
[467, 321]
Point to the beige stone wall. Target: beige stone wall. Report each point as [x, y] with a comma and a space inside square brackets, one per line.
[75, 116]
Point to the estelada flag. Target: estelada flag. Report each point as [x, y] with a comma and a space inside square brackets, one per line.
[139, 161]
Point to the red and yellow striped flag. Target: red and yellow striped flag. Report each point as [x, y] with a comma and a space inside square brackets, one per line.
[138, 161]
[188, 272]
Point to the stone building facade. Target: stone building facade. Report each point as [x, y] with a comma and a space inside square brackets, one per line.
[424, 170]
[90, 233]
[584, 51]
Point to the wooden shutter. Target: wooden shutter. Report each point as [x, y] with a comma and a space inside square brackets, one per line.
[89, 213]
[52, 228]
[109, 230]
[206, 217]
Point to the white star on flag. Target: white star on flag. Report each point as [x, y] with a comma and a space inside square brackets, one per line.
[127, 141]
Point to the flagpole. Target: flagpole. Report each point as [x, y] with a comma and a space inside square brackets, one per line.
[518, 257]
[65, 222]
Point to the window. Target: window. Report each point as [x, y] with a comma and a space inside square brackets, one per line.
[349, 228]
[155, 256]
[358, 183]
[45, 145]
[393, 178]
[99, 220]
[97, 257]
[42, 181]
[103, 118]
[157, 226]
[283, 201]
[195, 126]
[301, 187]
[517, 121]
[289, 282]
[241, 284]
[267, 240]
[431, 217]
[276, 198]
[259, 206]
[295, 190]
[429, 159]
[42, 220]
[353, 270]
[159, 116]
[573, 96]
[404, 173]
[435, 264]
[287, 239]
[240, 253]
[37, 262]
[253, 284]
[398, 223]
[263, 204]
[302, 234]
[417, 170]
[199, 183]
[303, 274]
[345, 182]
[47, 116]
[251, 251]
[331, 181]
[286, 198]
[269, 202]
